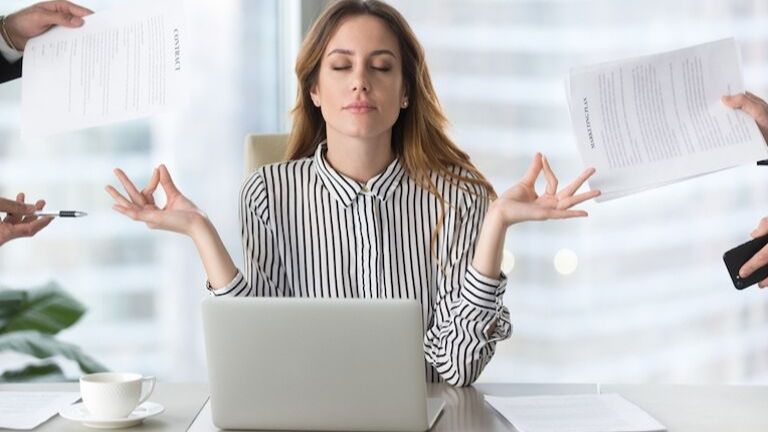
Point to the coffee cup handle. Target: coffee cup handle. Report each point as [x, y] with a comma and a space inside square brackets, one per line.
[147, 379]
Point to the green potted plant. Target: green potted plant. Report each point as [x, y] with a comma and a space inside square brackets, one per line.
[29, 321]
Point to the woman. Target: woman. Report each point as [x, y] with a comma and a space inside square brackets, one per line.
[375, 201]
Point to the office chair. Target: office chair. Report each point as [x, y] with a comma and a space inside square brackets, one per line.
[263, 150]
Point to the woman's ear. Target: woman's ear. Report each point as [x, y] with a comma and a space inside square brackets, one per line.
[315, 95]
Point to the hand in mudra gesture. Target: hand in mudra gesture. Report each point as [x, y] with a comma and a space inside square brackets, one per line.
[522, 202]
[179, 213]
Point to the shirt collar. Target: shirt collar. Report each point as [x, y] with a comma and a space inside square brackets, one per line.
[345, 190]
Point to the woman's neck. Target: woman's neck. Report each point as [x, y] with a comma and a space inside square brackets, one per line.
[360, 159]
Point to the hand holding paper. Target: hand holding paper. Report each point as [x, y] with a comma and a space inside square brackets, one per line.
[123, 64]
[37, 19]
[753, 106]
[654, 120]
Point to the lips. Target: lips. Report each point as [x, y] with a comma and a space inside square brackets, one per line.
[359, 107]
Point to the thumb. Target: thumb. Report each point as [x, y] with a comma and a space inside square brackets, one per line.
[166, 181]
[50, 18]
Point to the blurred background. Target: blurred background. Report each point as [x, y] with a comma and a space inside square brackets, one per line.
[639, 292]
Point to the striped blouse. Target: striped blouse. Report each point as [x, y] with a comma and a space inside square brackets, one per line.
[309, 231]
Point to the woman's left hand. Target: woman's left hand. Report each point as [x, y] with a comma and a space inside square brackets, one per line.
[521, 202]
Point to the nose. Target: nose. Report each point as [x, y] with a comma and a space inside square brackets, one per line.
[360, 82]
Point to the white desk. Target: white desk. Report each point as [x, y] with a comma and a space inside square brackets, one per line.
[681, 408]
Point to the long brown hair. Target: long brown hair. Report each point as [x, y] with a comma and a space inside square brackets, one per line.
[418, 136]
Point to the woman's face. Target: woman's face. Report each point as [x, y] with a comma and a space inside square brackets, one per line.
[360, 83]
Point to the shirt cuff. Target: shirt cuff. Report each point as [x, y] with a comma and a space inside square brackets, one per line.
[233, 288]
[482, 291]
[503, 327]
[9, 53]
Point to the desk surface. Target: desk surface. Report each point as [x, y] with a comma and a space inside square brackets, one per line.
[681, 408]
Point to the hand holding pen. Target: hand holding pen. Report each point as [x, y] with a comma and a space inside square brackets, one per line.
[20, 219]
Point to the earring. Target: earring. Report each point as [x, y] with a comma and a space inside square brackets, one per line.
[405, 103]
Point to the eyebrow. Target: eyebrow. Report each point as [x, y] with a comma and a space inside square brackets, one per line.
[350, 52]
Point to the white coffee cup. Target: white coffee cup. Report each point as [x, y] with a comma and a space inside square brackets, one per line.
[113, 395]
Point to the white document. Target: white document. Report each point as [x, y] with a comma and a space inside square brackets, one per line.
[27, 410]
[649, 121]
[122, 64]
[574, 413]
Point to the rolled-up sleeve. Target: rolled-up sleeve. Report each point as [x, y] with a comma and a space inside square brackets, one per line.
[469, 316]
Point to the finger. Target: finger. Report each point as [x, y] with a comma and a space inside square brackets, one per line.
[533, 171]
[763, 283]
[38, 206]
[65, 7]
[576, 184]
[15, 207]
[47, 18]
[550, 175]
[135, 195]
[742, 102]
[567, 214]
[762, 228]
[756, 99]
[126, 210]
[150, 217]
[149, 190]
[577, 199]
[754, 263]
[14, 218]
[31, 228]
[166, 181]
[118, 197]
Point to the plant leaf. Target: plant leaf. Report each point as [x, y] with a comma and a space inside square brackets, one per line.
[47, 309]
[10, 302]
[43, 346]
[48, 372]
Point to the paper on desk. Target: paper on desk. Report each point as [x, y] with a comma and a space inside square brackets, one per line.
[27, 410]
[123, 63]
[574, 413]
[649, 121]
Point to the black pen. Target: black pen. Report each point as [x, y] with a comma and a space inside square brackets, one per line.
[63, 213]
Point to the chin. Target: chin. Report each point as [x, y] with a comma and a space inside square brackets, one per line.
[362, 130]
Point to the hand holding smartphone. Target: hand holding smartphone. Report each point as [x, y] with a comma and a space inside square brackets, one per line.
[738, 256]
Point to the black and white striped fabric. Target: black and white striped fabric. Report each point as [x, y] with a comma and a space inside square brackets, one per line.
[309, 231]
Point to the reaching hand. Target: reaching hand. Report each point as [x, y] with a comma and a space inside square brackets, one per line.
[179, 214]
[40, 17]
[20, 220]
[760, 258]
[752, 105]
[521, 202]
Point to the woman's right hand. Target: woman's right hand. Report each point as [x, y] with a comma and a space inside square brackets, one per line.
[179, 214]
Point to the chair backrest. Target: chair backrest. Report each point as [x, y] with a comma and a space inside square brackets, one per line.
[263, 150]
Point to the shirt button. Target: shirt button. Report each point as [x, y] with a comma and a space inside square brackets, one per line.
[365, 189]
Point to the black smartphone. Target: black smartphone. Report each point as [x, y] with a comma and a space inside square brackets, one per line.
[736, 257]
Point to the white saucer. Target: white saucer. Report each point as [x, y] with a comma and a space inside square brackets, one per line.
[78, 412]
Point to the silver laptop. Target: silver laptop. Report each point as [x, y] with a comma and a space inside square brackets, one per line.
[320, 364]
